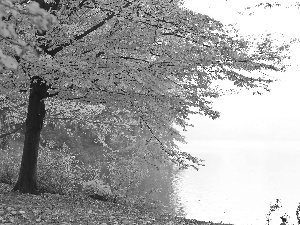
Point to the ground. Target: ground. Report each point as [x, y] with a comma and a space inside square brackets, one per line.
[25, 209]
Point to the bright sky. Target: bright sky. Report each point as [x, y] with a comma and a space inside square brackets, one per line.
[271, 116]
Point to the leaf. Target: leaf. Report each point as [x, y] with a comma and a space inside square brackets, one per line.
[21, 42]
[9, 62]
[12, 31]
[1, 54]
[3, 29]
[8, 3]
[17, 49]
[2, 11]
[34, 8]
[15, 13]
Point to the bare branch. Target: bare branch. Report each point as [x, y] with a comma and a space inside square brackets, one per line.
[13, 131]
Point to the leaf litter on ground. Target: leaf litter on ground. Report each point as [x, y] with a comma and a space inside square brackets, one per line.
[27, 209]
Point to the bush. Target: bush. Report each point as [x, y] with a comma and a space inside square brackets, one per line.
[98, 190]
[58, 172]
[9, 168]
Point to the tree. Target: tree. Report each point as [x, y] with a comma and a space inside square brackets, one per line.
[153, 60]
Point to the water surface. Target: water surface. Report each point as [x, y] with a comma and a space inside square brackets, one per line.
[240, 180]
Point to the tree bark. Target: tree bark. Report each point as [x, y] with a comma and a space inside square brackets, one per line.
[27, 181]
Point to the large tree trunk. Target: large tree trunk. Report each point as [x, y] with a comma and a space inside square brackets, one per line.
[27, 181]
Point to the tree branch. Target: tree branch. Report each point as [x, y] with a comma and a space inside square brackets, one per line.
[13, 131]
[87, 32]
[156, 138]
[78, 37]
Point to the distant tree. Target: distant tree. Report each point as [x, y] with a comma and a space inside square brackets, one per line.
[152, 59]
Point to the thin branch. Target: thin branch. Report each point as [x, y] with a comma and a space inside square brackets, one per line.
[156, 138]
[78, 37]
[11, 41]
[87, 32]
[81, 3]
[132, 58]
[13, 131]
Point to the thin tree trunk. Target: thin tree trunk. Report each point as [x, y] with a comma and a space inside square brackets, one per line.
[27, 181]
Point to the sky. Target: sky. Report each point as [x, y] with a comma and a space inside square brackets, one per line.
[273, 116]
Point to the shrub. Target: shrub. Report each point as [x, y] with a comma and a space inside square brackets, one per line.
[9, 168]
[97, 189]
[126, 175]
[58, 172]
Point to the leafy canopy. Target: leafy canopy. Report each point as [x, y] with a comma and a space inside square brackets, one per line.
[152, 59]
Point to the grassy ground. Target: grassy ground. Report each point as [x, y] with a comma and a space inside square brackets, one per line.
[16, 208]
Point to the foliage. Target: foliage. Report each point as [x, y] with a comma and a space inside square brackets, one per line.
[298, 213]
[268, 5]
[273, 207]
[145, 63]
[14, 110]
[96, 186]
[125, 157]
[58, 172]
[8, 167]
[30, 14]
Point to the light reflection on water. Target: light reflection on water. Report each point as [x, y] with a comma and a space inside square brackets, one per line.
[240, 180]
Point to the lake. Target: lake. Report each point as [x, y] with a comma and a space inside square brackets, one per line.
[239, 181]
